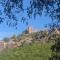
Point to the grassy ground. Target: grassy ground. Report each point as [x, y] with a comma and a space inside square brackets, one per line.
[36, 51]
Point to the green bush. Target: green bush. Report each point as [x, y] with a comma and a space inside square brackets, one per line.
[35, 51]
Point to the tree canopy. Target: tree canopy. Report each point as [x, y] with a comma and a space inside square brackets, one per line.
[9, 9]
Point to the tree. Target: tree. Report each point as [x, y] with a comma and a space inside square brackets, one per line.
[50, 7]
[56, 49]
[6, 39]
[14, 38]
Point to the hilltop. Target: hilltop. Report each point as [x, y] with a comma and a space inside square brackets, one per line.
[29, 36]
[30, 46]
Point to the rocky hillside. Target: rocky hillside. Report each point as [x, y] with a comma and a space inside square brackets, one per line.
[31, 46]
[27, 38]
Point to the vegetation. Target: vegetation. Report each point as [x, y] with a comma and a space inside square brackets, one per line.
[8, 12]
[42, 45]
[11, 8]
[35, 51]
[6, 39]
[56, 49]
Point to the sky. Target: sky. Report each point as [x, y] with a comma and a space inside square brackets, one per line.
[38, 23]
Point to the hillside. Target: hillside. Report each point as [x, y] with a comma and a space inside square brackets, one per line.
[35, 51]
[29, 46]
[42, 36]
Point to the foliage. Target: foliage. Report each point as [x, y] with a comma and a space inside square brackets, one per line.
[25, 32]
[14, 38]
[11, 8]
[56, 49]
[36, 51]
[6, 39]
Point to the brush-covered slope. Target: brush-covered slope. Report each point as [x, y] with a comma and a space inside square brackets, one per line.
[35, 51]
